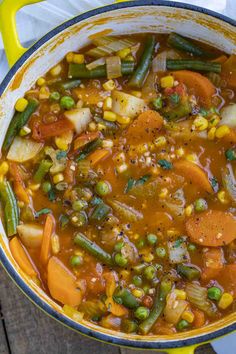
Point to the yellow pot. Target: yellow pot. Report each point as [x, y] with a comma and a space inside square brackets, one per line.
[28, 65]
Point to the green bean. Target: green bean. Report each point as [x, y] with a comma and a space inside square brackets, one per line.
[125, 297]
[18, 121]
[100, 212]
[92, 248]
[189, 272]
[70, 84]
[80, 71]
[141, 71]
[10, 208]
[158, 306]
[186, 45]
[42, 170]
[196, 65]
[93, 145]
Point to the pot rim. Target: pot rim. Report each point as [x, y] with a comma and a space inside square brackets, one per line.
[26, 289]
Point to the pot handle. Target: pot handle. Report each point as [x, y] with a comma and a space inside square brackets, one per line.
[8, 9]
[183, 350]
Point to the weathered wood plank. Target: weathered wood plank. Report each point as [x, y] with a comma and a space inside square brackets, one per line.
[31, 331]
[3, 340]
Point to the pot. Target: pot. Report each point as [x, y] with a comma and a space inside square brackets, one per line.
[28, 65]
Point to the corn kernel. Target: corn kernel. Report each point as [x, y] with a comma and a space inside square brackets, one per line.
[34, 187]
[180, 152]
[188, 316]
[160, 141]
[137, 94]
[138, 293]
[41, 81]
[122, 168]
[64, 140]
[4, 168]
[92, 126]
[124, 274]
[123, 53]
[222, 197]
[21, 104]
[222, 131]
[110, 116]
[24, 131]
[107, 105]
[211, 133]
[78, 58]
[101, 127]
[109, 85]
[123, 120]
[167, 81]
[129, 58]
[44, 93]
[214, 120]
[200, 123]
[58, 178]
[107, 143]
[55, 243]
[192, 158]
[225, 301]
[69, 57]
[189, 210]
[180, 294]
[56, 70]
[148, 257]
[163, 194]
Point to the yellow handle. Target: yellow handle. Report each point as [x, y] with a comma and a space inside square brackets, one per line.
[8, 9]
[183, 350]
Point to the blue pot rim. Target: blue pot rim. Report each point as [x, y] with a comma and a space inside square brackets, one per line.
[141, 344]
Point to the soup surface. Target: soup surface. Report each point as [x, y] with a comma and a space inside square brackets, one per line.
[117, 183]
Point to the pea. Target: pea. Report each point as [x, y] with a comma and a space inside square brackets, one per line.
[78, 205]
[141, 313]
[67, 102]
[152, 239]
[46, 187]
[200, 204]
[160, 252]
[120, 260]
[150, 272]
[76, 261]
[129, 326]
[79, 218]
[182, 324]
[102, 188]
[137, 280]
[192, 247]
[214, 293]
[118, 247]
[140, 244]
[55, 96]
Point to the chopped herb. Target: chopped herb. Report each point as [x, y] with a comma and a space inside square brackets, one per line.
[178, 242]
[64, 220]
[61, 154]
[157, 103]
[230, 154]
[51, 195]
[214, 184]
[133, 183]
[203, 112]
[175, 98]
[96, 201]
[42, 212]
[166, 165]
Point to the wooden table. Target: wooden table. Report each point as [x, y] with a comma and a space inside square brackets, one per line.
[24, 329]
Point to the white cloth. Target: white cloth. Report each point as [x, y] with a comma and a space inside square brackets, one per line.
[35, 20]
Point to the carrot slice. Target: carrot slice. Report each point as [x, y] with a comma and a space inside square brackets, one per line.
[22, 257]
[213, 260]
[199, 318]
[111, 283]
[98, 156]
[46, 241]
[85, 139]
[145, 127]
[194, 173]
[199, 84]
[212, 228]
[43, 131]
[227, 279]
[19, 186]
[62, 283]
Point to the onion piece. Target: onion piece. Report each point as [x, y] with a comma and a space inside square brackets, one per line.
[94, 64]
[174, 308]
[197, 295]
[113, 67]
[229, 182]
[178, 252]
[109, 45]
[159, 62]
[228, 115]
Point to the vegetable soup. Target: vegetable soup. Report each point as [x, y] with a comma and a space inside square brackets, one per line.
[117, 183]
